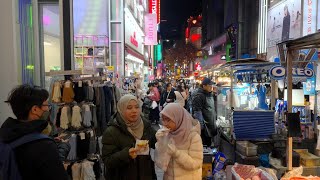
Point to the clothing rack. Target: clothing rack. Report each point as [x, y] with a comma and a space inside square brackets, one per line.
[63, 73]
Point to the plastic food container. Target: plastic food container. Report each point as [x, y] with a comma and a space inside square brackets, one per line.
[246, 148]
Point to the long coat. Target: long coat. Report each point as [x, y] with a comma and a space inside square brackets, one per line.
[117, 141]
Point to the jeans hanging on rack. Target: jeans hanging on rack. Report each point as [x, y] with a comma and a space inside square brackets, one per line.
[86, 116]
[54, 112]
[108, 98]
[102, 111]
[94, 117]
[79, 94]
[73, 148]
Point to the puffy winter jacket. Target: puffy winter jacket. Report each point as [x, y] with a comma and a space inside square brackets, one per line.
[187, 162]
[116, 142]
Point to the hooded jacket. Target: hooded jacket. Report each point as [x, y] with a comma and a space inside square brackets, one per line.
[38, 159]
[117, 141]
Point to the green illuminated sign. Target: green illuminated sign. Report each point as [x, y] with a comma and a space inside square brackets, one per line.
[158, 52]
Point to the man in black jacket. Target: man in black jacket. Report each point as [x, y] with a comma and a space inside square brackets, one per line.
[167, 96]
[204, 110]
[37, 159]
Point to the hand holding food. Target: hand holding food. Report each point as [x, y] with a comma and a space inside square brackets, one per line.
[133, 153]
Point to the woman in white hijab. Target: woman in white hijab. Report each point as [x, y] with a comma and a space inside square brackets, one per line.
[185, 144]
[120, 153]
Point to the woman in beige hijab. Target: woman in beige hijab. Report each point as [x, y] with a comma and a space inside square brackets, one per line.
[120, 153]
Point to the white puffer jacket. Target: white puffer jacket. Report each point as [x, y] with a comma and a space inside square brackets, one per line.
[187, 162]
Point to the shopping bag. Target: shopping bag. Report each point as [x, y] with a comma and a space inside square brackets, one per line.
[154, 104]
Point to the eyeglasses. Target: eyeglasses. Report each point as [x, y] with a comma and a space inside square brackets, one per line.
[48, 105]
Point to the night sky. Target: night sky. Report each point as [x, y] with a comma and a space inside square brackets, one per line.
[176, 12]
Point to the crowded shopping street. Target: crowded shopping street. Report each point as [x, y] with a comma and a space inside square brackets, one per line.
[160, 90]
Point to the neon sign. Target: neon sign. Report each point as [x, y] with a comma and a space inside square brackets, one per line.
[154, 8]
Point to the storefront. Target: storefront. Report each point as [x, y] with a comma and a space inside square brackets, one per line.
[297, 19]
[134, 47]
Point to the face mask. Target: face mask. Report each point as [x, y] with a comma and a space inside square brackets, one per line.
[45, 115]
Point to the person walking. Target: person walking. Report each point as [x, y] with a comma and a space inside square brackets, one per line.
[185, 146]
[154, 96]
[181, 96]
[168, 96]
[120, 152]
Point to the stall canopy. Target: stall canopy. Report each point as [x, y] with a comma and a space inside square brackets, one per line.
[249, 63]
[287, 53]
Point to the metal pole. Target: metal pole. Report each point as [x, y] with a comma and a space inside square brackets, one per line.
[273, 93]
[289, 104]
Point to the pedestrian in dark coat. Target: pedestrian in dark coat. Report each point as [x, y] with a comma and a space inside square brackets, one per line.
[119, 153]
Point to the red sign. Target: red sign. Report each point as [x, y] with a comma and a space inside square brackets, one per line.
[154, 8]
[198, 67]
[133, 40]
[195, 37]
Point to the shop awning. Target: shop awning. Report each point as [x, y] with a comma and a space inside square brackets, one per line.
[134, 53]
[215, 42]
[212, 61]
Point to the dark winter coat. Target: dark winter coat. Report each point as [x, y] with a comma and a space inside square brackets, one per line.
[203, 109]
[165, 96]
[286, 28]
[38, 159]
[116, 142]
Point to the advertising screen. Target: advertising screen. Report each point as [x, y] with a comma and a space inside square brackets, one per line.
[284, 22]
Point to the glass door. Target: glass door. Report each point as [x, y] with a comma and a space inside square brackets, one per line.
[50, 50]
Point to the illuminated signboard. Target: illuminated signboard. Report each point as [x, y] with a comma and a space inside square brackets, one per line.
[154, 8]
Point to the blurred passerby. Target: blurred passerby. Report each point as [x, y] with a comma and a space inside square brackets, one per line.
[154, 95]
[168, 96]
[181, 96]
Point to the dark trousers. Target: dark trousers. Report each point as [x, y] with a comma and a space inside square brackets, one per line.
[154, 115]
[206, 140]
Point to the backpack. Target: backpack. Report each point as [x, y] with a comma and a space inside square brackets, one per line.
[8, 166]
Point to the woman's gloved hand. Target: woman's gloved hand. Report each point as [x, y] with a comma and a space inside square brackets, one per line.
[159, 135]
[172, 150]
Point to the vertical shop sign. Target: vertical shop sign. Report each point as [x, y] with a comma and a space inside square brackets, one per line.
[309, 17]
[150, 29]
[154, 8]
[318, 15]
[158, 52]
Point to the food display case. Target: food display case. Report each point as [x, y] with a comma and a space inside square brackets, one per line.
[244, 100]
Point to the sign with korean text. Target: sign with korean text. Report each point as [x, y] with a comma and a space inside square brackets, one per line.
[309, 17]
